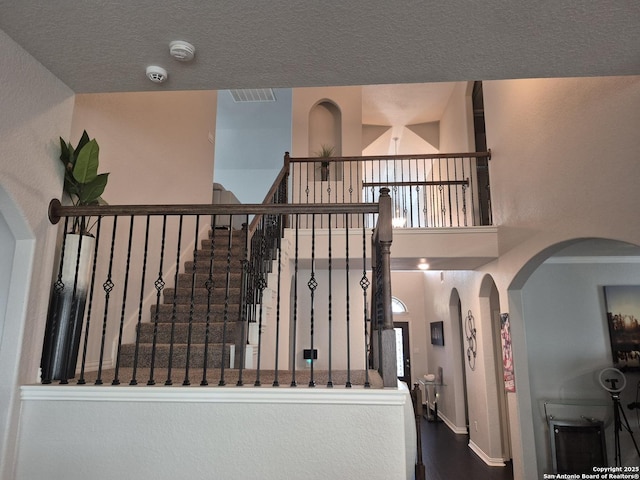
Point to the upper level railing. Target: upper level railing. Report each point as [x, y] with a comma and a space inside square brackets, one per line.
[168, 292]
[431, 190]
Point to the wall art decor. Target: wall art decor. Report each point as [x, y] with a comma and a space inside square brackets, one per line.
[622, 304]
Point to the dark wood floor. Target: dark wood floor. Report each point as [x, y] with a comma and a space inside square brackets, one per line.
[447, 456]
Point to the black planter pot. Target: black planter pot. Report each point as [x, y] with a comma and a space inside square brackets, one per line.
[66, 310]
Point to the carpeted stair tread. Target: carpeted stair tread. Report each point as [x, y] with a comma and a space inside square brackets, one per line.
[219, 279]
[165, 313]
[200, 295]
[179, 355]
[181, 332]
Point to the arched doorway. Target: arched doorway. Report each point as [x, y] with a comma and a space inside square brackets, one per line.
[561, 339]
[460, 377]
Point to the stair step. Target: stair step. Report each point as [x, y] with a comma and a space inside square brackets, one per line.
[181, 332]
[196, 357]
[219, 279]
[200, 295]
[216, 312]
[203, 267]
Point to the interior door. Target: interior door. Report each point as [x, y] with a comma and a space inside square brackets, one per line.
[402, 351]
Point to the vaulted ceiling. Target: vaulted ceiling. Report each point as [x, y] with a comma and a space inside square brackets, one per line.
[105, 46]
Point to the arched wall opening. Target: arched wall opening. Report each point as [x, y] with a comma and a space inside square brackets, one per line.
[459, 380]
[561, 339]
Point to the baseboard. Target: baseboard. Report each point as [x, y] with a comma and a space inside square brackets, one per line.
[454, 428]
[492, 462]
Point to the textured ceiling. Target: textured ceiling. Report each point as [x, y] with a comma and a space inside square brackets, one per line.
[105, 46]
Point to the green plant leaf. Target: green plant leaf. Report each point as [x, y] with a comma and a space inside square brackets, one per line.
[64, 152]
[91, 191]
[84, 139]
[86, 166]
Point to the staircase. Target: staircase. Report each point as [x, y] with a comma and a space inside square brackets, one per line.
[179, 322]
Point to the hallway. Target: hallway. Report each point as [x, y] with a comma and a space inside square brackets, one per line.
[447, 456]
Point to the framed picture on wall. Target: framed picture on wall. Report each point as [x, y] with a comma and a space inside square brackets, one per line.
[623, 318]
[437, 333]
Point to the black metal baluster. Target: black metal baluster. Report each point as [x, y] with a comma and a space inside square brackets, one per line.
[50, 340]
[348, 383]
[364, 283]
[134, 381]
[295, 306]
[330, 379]
[81, 380]
[312, 284]
[192, 303]
[209, 285]
[276, 382]
[108, 287]
[455, 176]
[74, 323]
[225, 324]
[409, 224]
[261, 284]
[159, 285]
[116, 379]
[449, 194]
[174, 312]
[244, 317]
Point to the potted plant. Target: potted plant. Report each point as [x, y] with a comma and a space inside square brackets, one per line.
[326, 151]
[84, 186]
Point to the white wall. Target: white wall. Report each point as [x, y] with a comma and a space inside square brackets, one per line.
[250, 141]
[36, 110]
[409, 288]
[156, 149]
[563, 151]
[568, 343]
[230, 433]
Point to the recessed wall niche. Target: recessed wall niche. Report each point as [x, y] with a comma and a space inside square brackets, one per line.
[325, 133]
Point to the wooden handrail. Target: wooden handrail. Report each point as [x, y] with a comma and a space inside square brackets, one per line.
[416, 183]
[486, 155]
[58, 211]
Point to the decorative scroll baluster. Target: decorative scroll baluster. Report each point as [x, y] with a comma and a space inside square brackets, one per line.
[68, 370]
[108, 287]
[174, 312]
[364, 283]
[312, 284]
[159, 286]
[222, 381]
[261, 284]
[116, 380]
[209, 285]
[48, 353]
[134, 381]
[81, 380]
[241, 341]
[295, 306]
[186, 380]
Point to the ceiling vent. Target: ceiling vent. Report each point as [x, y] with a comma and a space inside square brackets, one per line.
[253, 95]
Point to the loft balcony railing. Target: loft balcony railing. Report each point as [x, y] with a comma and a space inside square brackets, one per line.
[429, 191]
[174, 295]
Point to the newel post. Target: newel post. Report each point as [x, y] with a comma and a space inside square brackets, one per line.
[388, 335]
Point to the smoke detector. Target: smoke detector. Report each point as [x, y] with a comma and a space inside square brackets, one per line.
[182, 51]
[156, 74]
